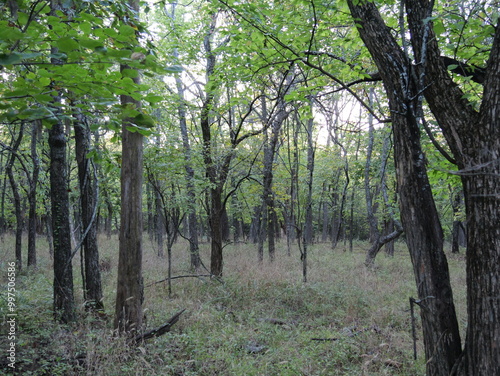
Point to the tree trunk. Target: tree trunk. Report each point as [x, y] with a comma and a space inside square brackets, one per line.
[217, 175]
[17, 198]
[92, 286]
[129, 292]
[64, 305]
[418, 212]
[3, 222]
[159, 220]
[32, 194]
[474, 138]
[372, 219]
[308, 225]
[191, 193]
[457, 224]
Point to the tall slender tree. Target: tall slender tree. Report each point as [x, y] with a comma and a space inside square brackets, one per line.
[129, 292]
[92, 286]
[64, 303]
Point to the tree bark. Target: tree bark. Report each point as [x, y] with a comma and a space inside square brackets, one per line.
[32, 194]
[16, 198]
[308, 225]
[474, 138]
[129, 293]
[456, 200]
[217, 175]
[418, 212]
[92, 286]
[191, 193]
[64, 303]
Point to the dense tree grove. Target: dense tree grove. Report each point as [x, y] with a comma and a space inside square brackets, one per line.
[268, 122]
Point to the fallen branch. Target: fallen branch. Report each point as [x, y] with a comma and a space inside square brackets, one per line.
[180, 276]
[161, 330]
[324, 339]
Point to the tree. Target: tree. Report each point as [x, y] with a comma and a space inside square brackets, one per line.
[16, 195]
[473, 137]
[378, 240]
[32, 193]
[92, 288]
[129, 292]
[190, 186]
[64, 304]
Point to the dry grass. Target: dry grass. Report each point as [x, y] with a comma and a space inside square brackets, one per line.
[260, 320]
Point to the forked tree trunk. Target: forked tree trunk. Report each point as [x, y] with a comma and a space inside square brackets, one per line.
[474, 138]
[92, 286]
[418, 212]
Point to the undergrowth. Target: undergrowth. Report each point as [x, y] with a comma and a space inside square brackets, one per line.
[257, 320]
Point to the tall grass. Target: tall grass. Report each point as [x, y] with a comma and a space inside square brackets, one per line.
[260, 319]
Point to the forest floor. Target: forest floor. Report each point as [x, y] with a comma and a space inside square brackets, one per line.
[259, 320]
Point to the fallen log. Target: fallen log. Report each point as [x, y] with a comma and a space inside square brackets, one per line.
[165, 328]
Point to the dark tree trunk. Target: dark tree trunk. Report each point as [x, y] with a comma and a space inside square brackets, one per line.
[308, 225]
[64, 305]
[217, 175]
[129, 293]
[216, 257]
[17, 198]
[474, 138]
[159, 221]
[3, 222]
[255, 227]
[92, 286]
[32, 194]
[457, 224]
[418, 212]
[389, 246]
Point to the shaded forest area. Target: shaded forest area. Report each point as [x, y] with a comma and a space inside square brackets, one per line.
[187, 157]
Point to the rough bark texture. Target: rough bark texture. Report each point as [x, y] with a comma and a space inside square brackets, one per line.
[88, 201]
[64, 305]
[129, 293]
[474, 138]
[32, 194]
[216, 174]
[17, 198]
[418, 212]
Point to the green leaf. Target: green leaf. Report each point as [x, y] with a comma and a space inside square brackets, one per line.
[67, 44]
[153, 98]
[10, 59]
[174, 69]
[144, 120]
[126, 30]
[45, 81]
[130, 73]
